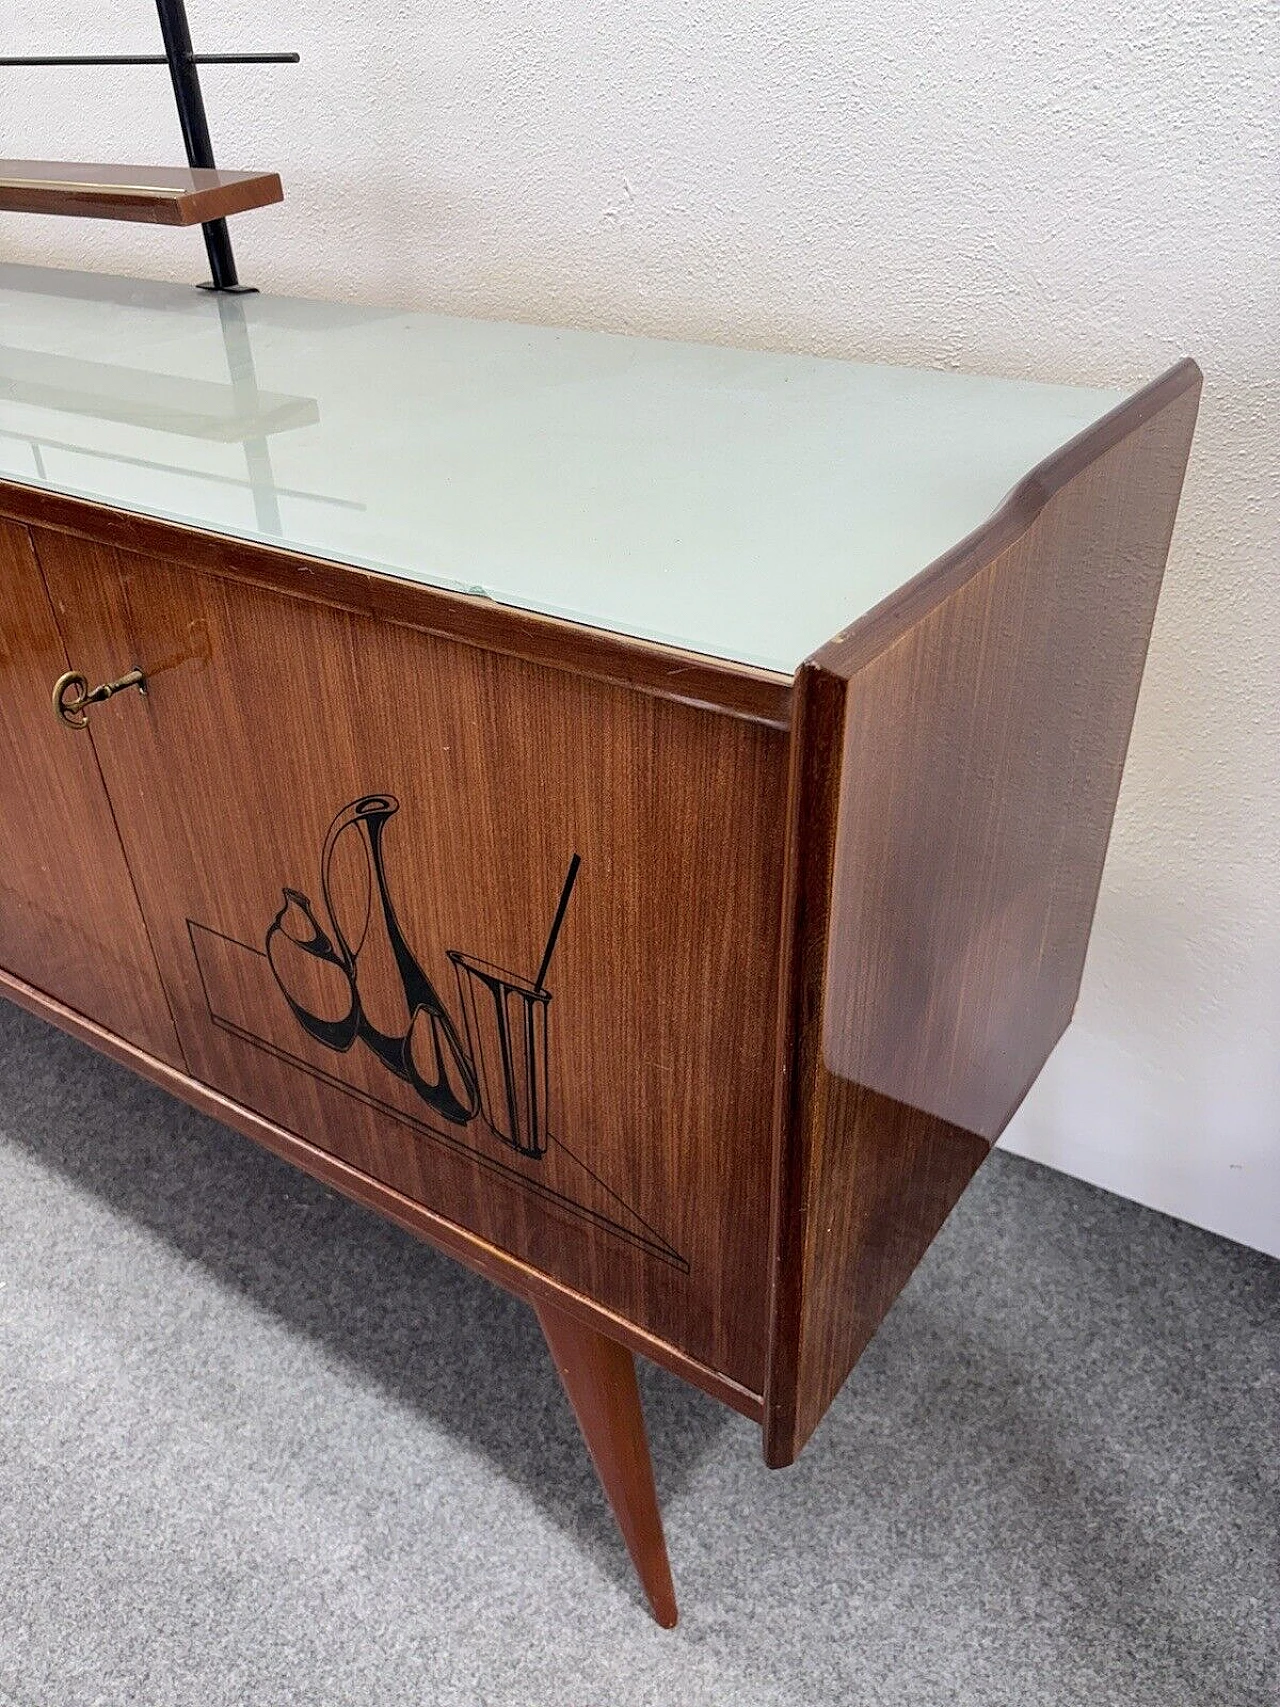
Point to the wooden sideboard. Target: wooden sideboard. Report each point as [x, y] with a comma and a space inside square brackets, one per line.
[505, 830]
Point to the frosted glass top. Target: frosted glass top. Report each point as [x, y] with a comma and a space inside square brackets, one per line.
[733, 502]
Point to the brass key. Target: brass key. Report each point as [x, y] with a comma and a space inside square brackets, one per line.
[72, 695]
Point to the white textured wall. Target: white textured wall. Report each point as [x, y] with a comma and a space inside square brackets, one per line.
[1076, 192]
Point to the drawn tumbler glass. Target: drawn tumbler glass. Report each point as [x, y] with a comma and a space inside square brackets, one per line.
[506, 1024]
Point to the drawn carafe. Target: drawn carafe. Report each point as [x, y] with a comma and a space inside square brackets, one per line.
[393, 1008]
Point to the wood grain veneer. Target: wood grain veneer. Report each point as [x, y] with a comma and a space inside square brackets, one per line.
[762, 696]
[152, 195]
[955, 769]
[69, 919]
[265, 717]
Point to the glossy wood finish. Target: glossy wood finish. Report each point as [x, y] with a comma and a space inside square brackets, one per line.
[956, 765]
[265, 717]
[599, 1375]
[69, 919]
[760, 696]
[152, 195]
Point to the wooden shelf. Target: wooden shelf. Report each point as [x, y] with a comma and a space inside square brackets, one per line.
[154, 195]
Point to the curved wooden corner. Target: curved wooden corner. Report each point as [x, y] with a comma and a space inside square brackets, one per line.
[1019, 511]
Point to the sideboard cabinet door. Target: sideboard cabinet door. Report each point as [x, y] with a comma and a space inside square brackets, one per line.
[502, 936]
[69, 919]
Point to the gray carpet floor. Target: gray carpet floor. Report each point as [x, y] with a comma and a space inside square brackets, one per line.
[259, 1447]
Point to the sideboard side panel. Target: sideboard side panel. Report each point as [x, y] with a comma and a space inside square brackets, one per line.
[954, 782]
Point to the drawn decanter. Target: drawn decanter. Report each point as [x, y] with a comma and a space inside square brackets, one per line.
[354, 976]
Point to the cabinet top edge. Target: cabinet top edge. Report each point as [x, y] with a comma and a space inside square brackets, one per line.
[711, 684]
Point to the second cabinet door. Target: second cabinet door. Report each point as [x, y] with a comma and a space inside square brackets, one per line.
[353, 841]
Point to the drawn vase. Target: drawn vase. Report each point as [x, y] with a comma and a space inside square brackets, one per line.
[314, 978]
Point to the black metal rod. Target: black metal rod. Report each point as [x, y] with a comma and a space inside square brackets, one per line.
[156, 59]
[182, 59]
[178, 51]
[175, 32]
[222, 260]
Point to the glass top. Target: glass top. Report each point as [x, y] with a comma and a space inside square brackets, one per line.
[732, 502]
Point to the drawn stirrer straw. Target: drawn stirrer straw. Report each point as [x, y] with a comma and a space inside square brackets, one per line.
[571, 877]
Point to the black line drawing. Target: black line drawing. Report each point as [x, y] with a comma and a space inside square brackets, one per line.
[506, 1021]
[449, 1085]
[481, 1087]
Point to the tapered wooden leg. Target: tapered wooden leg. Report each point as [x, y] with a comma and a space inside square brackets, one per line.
[599, 1375]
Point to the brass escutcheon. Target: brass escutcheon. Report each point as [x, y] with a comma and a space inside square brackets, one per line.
[72, 695]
